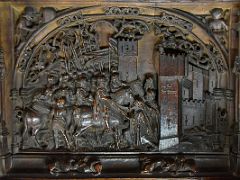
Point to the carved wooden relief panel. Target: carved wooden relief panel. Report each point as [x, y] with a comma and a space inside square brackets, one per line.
[117, 89]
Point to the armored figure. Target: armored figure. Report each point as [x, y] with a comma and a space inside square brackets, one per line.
[84, 105]
[135, 123]
[62, 137]
[141, 129]
[82, 111]
[144, 122]
[153, 113]
[66, 89]
[37, 123]
[83, 95]
[102, 87]
[45, 97]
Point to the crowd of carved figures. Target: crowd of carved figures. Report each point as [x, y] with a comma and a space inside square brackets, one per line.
[92, 111]
[85, 87]
[83, 102]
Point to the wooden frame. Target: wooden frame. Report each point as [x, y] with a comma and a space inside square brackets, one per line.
[201, 35]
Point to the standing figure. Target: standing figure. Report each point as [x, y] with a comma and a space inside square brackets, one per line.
[144, 122]
[62, 137]
[66, 89]
[139, 125]
[83, 95]
[38, 115]
[153, 113]
[102, 87]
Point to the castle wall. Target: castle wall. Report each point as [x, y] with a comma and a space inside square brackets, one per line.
[169, 108]
[128, 54]
[193, 113]
[171, 73]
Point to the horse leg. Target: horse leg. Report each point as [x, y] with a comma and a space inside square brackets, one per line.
[55, 138]
[25, 131]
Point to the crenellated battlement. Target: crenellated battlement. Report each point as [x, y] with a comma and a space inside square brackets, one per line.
[193, 102]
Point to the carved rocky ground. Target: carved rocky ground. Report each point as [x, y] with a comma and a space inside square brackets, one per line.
[103, 85]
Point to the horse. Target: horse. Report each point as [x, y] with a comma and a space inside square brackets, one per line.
[35, 119]
[85, 117]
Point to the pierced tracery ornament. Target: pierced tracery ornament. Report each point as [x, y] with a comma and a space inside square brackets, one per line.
[133, 86]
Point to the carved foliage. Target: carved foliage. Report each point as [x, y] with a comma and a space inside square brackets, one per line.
[125, 26]
[122, 11]
[176, 40]
[79, 43]
[167, 18]
[61, 47]
[130, 29]
[217, 57]
[76, 16]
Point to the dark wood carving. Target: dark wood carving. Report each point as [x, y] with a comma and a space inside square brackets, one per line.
[86, 165]
[168, 165]
[96, 91]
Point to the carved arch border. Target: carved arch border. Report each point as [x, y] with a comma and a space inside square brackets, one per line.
[212, 47]
[53, 26]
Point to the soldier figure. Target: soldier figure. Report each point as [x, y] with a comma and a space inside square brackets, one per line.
[83, 95]
[62, 137]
